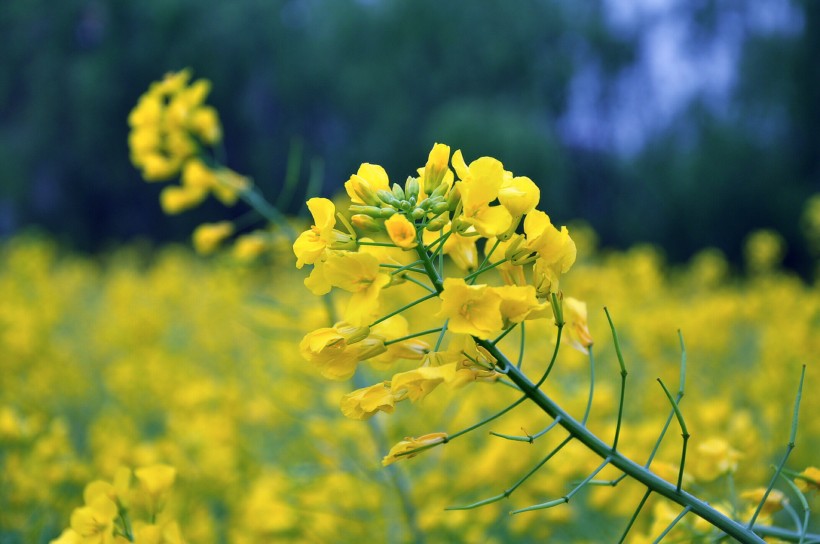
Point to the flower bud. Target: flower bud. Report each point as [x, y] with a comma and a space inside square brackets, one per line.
[438, 223]
[364, 222]
[411, 188]
[371, 211]
[436, 167]
[388, 198]
[398, 192]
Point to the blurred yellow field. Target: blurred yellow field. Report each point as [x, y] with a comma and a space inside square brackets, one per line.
[144, 357]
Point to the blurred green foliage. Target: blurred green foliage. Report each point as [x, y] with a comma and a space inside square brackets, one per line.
[372, 81]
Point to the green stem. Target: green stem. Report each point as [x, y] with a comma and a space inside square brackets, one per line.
[403, 308]
[671, 525]
[684, 431]
[634, 516]
[409, 336]
[255, 200]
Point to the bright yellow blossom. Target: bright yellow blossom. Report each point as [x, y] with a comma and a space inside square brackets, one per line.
[310, 246]
[575, 315]
[436, 167]
[337, 350]
[520, 195]
[518, 303]
[410, 444]
[808, 479]
[208, 236]
[401, 231]
[470, 309]
[715, 457]
[175, 199]
[420, 382]
[479, 186]
[94, 522]
[364, 184]
[365, 402]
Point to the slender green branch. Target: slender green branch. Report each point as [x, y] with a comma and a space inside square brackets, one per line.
[255, 200]
[315, 178]
[528, 438]
[634, 516]
[565, 499]
[678, 398]
[509, 491]
[292, 169]
[484, 262]
[623, 379]
[789, 448]
[473, 427]
[684, 431]
[507, 331]
[376, 244]
[591, 387]
[403, 308]
[421, 284]
[413, 335]
[546, 373]
[521, 346]
[803, 503]
[472, 276]
[671, 525]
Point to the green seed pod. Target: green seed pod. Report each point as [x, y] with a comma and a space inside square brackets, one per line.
[438, 223]
[418, 213]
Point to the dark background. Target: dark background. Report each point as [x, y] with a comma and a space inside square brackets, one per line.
[683, 123]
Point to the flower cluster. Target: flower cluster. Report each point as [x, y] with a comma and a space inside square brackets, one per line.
[106, 518]
[396, 235]
[171, 129]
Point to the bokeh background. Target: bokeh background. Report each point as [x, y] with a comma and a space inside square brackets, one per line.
[685, 124]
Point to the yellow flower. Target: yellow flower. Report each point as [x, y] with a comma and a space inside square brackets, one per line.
[520, 195]
[156, 480]
[310, 246]
[197, 174]
[518, 303]
[358, 273]
[420, 382]
[337, 350]
[364, 184]
[365, 402]
[175, 199]
[511, 273]
[714, 458]
[471, 309]
[461, 249]
[250, 246]
[774, 501]
[575, 314]
[808, 479]
[479, 185]
[401, 231]
[68, 536]
[204, 122]
[436, 167]
[410, 444]
[94, 522]
[392, 328]
[208, 236]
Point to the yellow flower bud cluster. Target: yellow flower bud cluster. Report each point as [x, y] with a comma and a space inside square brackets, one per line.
[398, 235]
[107, 516]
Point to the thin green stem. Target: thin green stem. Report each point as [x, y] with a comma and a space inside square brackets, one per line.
[591, 387]
[565, 499]
[546, 373]
[678, 398]
[623, 379]
[528, 438]
[255, 200]
[421, 284]
[292, 169]
[472, 276]
[803, 503]
[789, 448]
[409, 336]
[484, 262]
[403, 308]
[376, 244]
[507, 331]
[315, 178]
[671, 525]
[521, 346]
[441, 335]
[509, 491]
[684, 431]
[634, 516]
